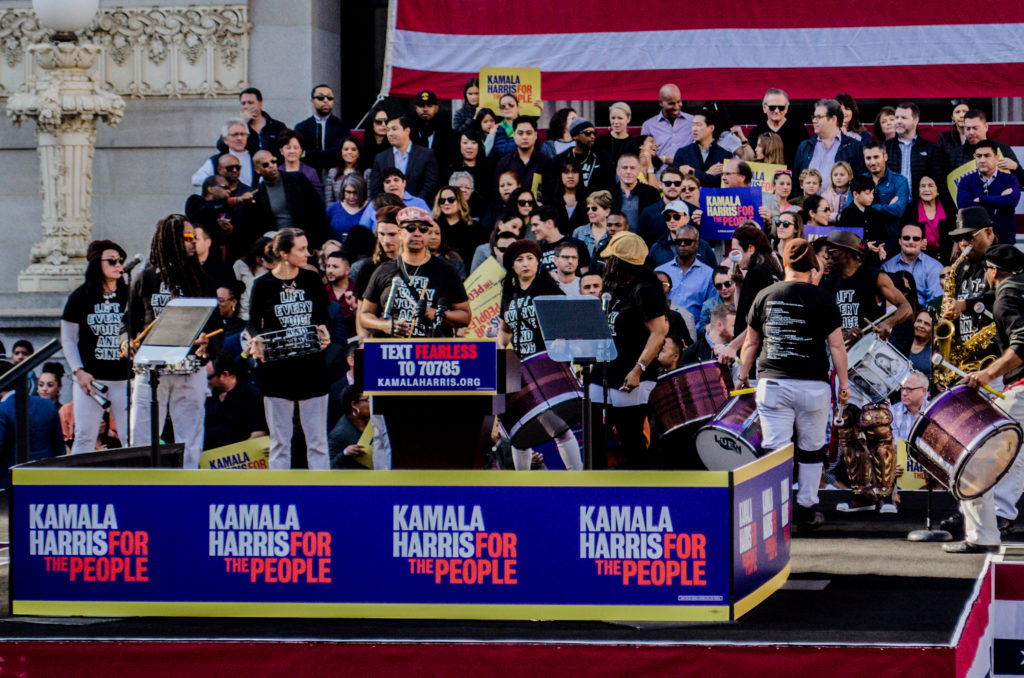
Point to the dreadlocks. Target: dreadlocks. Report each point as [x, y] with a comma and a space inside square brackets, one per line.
[167, 253]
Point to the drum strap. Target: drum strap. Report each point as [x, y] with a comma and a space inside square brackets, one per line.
[1019, 382]
[810, 456]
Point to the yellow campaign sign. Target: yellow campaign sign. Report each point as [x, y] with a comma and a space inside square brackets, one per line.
[522, 83]
[483, 286]
[764, 174]
[366, 440]
[914, 476]
[250, 454]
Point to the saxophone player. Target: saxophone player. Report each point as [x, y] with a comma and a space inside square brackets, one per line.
[974, 228]
[993, 513]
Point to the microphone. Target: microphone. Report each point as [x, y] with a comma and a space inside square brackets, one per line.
[391, 298]
[606, 300]
[132, 263]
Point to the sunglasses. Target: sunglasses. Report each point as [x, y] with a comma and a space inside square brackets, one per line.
[911, 238]
[232, 168]
[501, 249]
[322, 97]
[268, 163]
[592, 208]
[824, 208]
[380, 121]
[525, 203]
[776, 107]
[689, 189]
[673, 216]
[672, 183]
[445, 201]
[723, 285]
[587, 133]
[412, 228]
[189, 237]
[113, 262]
[779, 223]
[685, 241]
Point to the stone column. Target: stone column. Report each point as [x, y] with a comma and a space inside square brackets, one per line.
[66, 102]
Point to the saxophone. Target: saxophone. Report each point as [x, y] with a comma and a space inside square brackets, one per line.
[942, 338]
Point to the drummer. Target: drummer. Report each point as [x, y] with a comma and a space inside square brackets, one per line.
[1004, 272]
[520, 330]
[793, 321]
[862, 292]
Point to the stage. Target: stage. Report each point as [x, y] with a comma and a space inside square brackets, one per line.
[859, 598]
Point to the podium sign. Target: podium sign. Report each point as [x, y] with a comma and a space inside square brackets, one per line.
[430, 366]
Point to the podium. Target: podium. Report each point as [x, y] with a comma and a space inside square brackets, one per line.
[438, 397]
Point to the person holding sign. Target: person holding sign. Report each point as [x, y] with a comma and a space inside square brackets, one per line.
[998, 192]
[703, 158]
[520, 330]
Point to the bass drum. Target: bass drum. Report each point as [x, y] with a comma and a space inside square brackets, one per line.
[549, 404]
[689, 395]
[965, 441]
[733, 437]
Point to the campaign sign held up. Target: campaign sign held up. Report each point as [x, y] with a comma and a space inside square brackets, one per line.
[726, 208]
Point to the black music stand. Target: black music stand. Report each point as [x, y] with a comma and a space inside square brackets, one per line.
[928, 534]
[575, 329]
[169, 342]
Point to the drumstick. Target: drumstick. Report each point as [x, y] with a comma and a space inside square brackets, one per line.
[938, 360]
[873, 326]
[742, 391]
[138, 339]
[979, 308]
[207, 336]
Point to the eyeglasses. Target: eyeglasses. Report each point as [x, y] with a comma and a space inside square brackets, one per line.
[674, 216]
[363, 399]
[189, 237]
[450, 199]
[567, 256]
[911, 238]
[323, 97]
[525, 203]
[113, 262]
[818, 117]
[779, 223]
[776, 107]
[723, 285]
[412, 228]
[232, 168]
[587, 133]
[685, 241]
[671, 183]
[268, 163]
[689, 189]
[910, 388]
[824, 208]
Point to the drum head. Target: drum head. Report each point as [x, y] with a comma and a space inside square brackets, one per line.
[723, 450]
[977, 473]
[549, 419]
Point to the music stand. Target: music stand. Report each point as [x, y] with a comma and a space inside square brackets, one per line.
[169, 342]
[575, 329]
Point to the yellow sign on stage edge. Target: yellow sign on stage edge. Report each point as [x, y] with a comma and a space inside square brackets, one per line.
[248, 454]
[483, 286]
[764, 174]
[522, 83]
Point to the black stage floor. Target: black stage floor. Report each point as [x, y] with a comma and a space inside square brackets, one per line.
[856, 580]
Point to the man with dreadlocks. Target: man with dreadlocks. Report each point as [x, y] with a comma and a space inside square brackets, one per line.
[172, 271]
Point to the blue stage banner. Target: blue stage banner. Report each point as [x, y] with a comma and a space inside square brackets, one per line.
[421, 366]
[725, 209]
[762, 528]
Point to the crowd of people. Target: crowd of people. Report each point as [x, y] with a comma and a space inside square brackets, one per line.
[331, 237]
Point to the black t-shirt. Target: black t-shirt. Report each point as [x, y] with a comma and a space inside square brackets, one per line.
[436, 276]
[99, 325]
[147, 299]
[235, 418]
[856, 296]
[794, 320]
[970, 283]
[757, 278]
[547, 253]
[631, 307]
[520, 314]
[284, 304]
[362, 279]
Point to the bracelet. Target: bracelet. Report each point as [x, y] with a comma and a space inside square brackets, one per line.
[641, 365]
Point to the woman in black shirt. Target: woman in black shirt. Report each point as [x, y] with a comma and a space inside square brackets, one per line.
[292, 298]
[520, 329]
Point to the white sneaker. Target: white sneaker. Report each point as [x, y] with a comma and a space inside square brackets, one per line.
[858, 503]
[888, 507]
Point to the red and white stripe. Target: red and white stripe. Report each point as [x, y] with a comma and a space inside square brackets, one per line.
[731, 49]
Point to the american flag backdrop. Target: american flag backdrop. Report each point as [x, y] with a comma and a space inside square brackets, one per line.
[728, 49]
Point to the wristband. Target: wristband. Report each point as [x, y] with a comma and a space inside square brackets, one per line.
[641, 365]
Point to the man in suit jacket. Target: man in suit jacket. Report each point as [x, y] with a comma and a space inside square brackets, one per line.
[703, 158]
[287, 199]
[911, 155]
[820, 151]
[417, 163]
[998, 192]
[629, 196]
[322, 131]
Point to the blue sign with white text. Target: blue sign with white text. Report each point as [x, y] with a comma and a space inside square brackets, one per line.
[430, 366]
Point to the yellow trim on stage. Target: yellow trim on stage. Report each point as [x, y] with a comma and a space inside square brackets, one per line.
[756, 468]
[86, 476]
[748, 603]
[680, 613]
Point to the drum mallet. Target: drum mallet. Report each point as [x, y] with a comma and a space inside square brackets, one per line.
[979, 308]
[939, 361]
[742, 391]
[873, 326]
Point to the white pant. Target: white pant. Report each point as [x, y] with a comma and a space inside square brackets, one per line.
[185, 394]
[793, 410]
[312, 416]
[980, 526]
[88, 414]
[568, 449]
